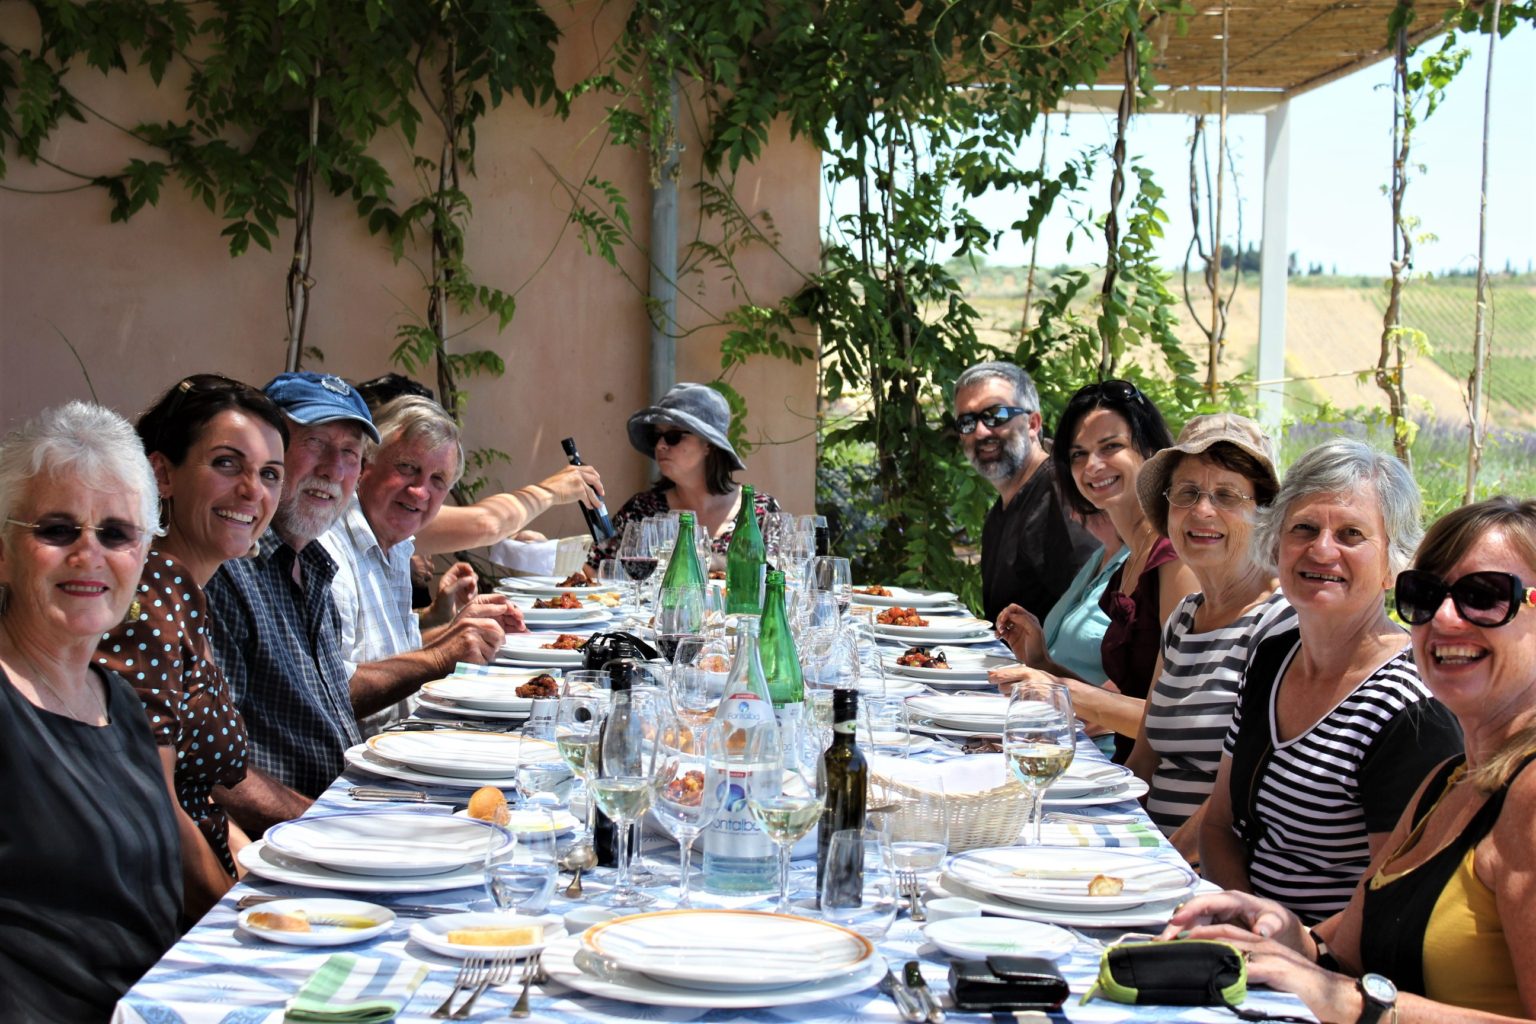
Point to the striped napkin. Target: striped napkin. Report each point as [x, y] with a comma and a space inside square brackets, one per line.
[1081, 833]
[349, 989]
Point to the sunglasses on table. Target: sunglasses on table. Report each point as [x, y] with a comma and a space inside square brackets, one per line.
[993, 416]
[1482, 598]
[1188, 496]
[673, 437]
[113, 534]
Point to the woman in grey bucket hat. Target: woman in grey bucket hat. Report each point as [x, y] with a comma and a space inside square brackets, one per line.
[686, 433]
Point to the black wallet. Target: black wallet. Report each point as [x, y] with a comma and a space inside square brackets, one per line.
[1006, 983]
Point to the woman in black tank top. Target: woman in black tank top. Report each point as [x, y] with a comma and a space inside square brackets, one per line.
[1432, 913]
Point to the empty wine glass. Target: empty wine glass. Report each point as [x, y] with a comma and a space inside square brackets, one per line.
[540, 767]
[679, 613]
[691, 785]
[525, 881]
[1039, 739]
[786, 803]
[699, 670]
[915, 814]
[624, 780]
[834, 575]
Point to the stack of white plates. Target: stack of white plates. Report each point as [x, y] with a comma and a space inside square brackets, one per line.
[591, 612]
[1090, 782]
[492, 696]
[967, 669]
[902, 597]
[716, 958]
[1052, 884]
[544, 586]
[379, 851]
[947, 629]
[449, 757]
[529, 649]
[959, 714]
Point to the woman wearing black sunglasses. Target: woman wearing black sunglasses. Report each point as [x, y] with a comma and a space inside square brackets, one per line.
[90, 864]
[1440, 926]
[686, 434]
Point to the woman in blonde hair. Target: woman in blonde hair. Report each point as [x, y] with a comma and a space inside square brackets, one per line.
[1439, 927]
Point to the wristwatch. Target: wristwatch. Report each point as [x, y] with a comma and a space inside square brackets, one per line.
[1380, 997]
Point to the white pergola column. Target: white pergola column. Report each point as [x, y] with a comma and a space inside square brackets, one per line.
[1274, 258]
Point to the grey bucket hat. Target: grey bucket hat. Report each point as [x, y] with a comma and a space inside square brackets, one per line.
[697, 408]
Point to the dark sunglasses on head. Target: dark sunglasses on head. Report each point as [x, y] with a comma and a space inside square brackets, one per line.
[994, 417]
[1482, 598]
[1115, 390]
[673, 437]
[113, 534]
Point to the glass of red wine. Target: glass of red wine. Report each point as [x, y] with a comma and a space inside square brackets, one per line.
[637, 556]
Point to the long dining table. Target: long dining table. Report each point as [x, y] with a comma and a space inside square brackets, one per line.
[219, 974]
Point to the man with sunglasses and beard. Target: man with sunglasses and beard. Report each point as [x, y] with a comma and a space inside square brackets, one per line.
[1030, 548]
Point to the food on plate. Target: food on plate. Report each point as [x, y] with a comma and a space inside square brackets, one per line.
[608, 599]
[564, 642]
[717, 574]
[489, 804]
[1105, 885]
[540, 686]
[577, 579]
[923, 657]
[272, 921]
[686, 790]
[495, 935]
[901, 617]
[875, 590]
[565, 602]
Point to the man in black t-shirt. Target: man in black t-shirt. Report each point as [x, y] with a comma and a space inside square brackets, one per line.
[1030, 549]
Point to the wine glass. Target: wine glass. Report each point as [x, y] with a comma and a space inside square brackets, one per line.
[834, 575]
[786, 802]
[623, 783]
[699, 669]
[777, 526]
[858, 883]
[1039, 739]
[578, 725]
[679, 613]
[916, 815]
[691, 785]
[637, 556]
[611, 574]
[525, 882]
[540, 767]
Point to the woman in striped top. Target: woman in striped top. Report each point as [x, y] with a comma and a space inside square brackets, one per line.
[1204, 494]
[1333, 730]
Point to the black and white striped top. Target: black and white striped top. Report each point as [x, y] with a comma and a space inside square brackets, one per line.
[1305, 808]
[1190, 707]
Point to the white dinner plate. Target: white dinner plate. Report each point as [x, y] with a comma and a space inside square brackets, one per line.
[893, 739]
[560, 618]
[1089, 776]
[903, 597]
[895, 686]
[459, 711]
[267, 863]
[728, 950]
[488, 693]
[528, 649]
[1057, 879]
[976, 938]
[955, 629]
[952, 608]
[1134, 789]
[433, 933]
[387, 842]
[967, 711]
[542, 585]
[362, 758]
[320, 934]
[454, 752]
[1148, 915]
[968, 666]
[561, 961]
[530, 821]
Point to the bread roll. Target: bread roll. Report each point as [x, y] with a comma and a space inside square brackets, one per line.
[489, 804]
[294, 922]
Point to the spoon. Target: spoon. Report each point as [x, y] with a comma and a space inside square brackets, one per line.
[576, 861]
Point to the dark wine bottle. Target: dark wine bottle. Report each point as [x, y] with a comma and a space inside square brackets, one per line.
[598, 523]
[605, 834]
[847, 775]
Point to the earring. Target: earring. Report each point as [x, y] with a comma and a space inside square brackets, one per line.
[135, 609]
[165, 515]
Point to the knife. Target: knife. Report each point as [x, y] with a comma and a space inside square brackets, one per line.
[414, 796]
[906, 1003]
[932, 1011]
[400, 909]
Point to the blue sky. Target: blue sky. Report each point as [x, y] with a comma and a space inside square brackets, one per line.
[1340, 162]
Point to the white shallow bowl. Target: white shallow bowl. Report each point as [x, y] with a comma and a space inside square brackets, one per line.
[976, 938]
[432, 933]
[321, 935]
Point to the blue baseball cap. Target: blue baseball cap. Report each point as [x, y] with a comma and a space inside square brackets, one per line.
[310, 398]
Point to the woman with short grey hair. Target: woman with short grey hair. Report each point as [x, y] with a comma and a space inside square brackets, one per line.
[90, 868]
[1333, 730]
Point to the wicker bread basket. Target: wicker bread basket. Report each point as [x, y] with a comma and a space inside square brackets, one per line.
[992, 817]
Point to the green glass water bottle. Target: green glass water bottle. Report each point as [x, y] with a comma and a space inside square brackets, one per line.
[781, 661]
[745, 560]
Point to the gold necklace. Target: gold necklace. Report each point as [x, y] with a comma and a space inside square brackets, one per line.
[43, 678]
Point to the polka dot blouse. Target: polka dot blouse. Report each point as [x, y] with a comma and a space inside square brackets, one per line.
[164, 655]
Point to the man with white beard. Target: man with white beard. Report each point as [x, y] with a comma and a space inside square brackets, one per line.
[277, 633]
[1030, 548]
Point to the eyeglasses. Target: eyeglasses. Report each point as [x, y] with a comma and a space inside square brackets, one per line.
[113, 534]
[1188, 496]
[994, 417]
[1116, 390]
[673, 437]
[1482, 598]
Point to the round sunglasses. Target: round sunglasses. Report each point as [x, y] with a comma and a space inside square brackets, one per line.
[113, 534]
[1482, 598]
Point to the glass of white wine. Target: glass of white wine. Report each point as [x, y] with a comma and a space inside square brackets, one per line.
[578, 725]
[623, 782]
[786, 803]
[1039, 739]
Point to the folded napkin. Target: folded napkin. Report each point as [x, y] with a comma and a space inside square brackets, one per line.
[1080, 833]
[348, 988]
[980, 773]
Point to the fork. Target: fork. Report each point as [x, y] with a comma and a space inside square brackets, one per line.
[913, 887]
[531, 973]
[498, 973]
[469, 974]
